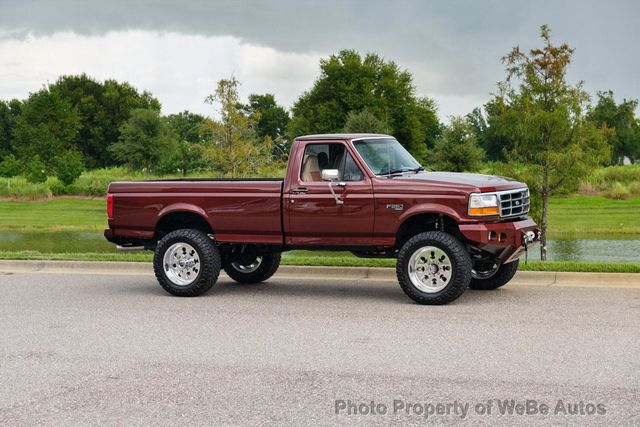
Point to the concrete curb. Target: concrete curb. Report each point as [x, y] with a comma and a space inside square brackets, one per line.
[538, 278]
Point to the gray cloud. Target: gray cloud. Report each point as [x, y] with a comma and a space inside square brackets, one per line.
[453, 48]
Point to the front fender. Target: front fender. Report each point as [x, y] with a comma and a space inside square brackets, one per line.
[428, 208]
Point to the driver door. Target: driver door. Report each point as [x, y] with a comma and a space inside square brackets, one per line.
[311, 210]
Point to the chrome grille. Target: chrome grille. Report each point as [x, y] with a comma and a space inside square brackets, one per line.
[514, 202]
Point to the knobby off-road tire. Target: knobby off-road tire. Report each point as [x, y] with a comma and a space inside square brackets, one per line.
[433, 268]
[260, 270]
[504, 274]
[186, 263]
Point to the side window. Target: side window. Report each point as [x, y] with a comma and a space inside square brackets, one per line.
[318, 157]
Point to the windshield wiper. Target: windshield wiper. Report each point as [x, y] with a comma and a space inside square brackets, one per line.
[394, 172]
[401, 171]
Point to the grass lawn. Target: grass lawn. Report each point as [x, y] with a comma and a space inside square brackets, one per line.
[584, 216]
[58, 214]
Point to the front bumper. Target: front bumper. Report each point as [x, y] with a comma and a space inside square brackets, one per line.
[505, 240]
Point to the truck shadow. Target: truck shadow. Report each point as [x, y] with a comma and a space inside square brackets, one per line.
[299, 290]
[304, 289]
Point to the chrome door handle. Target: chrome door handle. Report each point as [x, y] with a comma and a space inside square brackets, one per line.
[299, 190]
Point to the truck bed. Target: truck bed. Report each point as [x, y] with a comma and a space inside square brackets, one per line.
[241, 210]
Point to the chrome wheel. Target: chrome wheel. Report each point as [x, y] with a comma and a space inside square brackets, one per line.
[181, 264]
[485, 269]
[249, 268]
[430, 269]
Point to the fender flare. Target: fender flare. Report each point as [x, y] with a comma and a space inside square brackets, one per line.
[182, 207]
[425, 209]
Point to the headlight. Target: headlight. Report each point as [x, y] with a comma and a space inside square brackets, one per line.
[483, 204]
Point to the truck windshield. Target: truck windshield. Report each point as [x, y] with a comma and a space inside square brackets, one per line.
[386, 156]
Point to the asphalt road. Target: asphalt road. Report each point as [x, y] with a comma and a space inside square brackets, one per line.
[114, 349]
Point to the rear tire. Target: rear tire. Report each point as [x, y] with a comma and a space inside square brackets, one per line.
[251, 274]
[186, 263]
[433, 268]
[501, 277]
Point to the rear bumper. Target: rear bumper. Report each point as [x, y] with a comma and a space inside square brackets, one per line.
[131, 239]
[505, 240]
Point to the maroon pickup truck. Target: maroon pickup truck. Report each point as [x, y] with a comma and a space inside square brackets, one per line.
[361, 193]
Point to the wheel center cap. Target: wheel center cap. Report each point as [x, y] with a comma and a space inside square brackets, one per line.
[433, 269]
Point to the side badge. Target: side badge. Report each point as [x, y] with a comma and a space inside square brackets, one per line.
[395, 207]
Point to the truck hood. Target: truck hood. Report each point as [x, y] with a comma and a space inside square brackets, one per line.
[478, 182]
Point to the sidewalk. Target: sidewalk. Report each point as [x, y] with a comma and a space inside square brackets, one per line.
[536, 278]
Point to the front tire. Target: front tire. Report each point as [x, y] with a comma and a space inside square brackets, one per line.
[258, 270]
[186, 263]
[433, 268]
[498, 279]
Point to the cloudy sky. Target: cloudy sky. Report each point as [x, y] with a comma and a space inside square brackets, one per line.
[179, 49]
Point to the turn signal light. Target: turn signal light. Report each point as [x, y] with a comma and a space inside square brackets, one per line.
[484, 211]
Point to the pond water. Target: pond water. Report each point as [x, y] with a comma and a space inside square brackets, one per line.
[566, 249]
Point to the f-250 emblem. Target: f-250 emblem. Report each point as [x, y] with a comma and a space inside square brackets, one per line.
[395, 207]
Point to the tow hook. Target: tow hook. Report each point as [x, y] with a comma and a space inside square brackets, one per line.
[527, 238]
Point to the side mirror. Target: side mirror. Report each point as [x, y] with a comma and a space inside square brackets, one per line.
[333, 175]
[330, 174]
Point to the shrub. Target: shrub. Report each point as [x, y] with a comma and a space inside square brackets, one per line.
[183, 158]
[34, 170]
[606, 178]
[56, 187]
[19, 187]
[69, 167]
[634, 188]
[10, 166]
[618, 191]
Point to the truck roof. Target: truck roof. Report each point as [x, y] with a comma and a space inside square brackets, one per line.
[348, 136]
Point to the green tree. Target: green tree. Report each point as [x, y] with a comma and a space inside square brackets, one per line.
[545, 117]
[457, 149]
[47, 126]
[103, 107]
[187, 126]
[144, 139]
[270, 118]
[364, 122]
[619, 120]
[9, 111]
[484, 122]
[270, 122]
[69, 167]
[349, 82]
[235, 149]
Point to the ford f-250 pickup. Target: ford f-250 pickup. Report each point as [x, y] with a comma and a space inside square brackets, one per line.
[362, 193]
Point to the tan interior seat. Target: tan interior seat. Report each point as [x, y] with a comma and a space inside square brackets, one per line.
[311, 169]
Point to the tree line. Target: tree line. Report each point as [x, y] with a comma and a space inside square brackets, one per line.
[537, 126]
